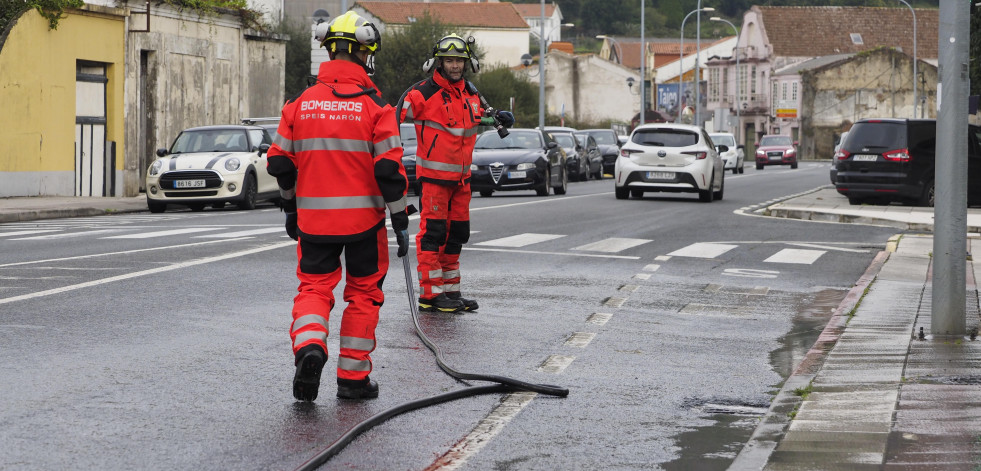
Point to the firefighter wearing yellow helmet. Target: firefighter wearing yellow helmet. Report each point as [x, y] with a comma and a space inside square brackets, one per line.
[353, 35]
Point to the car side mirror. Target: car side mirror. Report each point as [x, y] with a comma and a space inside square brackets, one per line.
[552, 145]
[796, 143]
[263, 148]
[722, 148]
[740, 146]
[161, 152]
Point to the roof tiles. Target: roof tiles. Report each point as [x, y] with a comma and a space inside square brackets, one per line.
[481, 15]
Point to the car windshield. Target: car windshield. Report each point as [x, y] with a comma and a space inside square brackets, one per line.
[775, 141]
[515, 140]
[408, 133]
[604, 138]
[664, 137]
[723, 140]
[211, 140]
[581, 138]
[564, 140]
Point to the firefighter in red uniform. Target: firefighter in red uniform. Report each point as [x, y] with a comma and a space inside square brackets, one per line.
[446, 110]
[338, 159]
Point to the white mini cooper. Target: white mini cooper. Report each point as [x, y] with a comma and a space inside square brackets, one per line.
[212, 165]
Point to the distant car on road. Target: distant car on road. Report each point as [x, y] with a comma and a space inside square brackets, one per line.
[212, 165]
[734, 158]
[576, 163]
[593, 157]
[609, 145]
[833, 173]
[776, 150]
[527, 159]
[673, 158]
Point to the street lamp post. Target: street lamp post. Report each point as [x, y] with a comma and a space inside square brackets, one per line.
[698, 50]
[681, 56]
[914, 54]
[541, 71]
[735, 52]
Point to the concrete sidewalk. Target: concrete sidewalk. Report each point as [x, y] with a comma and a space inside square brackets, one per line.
[876, 397]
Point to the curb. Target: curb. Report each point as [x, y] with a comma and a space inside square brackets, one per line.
[774, 424]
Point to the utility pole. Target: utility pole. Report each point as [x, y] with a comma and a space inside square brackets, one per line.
[541, 72]
[948, 316]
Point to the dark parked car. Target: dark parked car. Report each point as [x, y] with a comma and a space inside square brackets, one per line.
[833, 173]
[527, 159]
[592, 152]
[408, 135]
[885, 160]
[776, 150]
[609, 146]
[576, 163]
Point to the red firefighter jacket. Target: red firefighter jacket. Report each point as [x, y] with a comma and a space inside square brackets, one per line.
[339, 142]
[446, 116]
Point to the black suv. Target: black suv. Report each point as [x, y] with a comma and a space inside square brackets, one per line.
[884, 160]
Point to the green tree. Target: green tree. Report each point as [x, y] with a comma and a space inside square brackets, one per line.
[297, 55]
[499, 86]
[398, 64]
[52, 10]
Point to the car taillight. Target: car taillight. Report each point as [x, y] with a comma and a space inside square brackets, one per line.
[698, 155]
[627, 152]
[898, 155]
[842, 155]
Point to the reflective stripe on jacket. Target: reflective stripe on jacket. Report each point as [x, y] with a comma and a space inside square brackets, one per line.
[446, 116]
[342, 141]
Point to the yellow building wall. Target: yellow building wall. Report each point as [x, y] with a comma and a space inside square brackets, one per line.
[37, 92]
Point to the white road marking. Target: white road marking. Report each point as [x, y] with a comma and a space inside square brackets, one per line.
[703, 250]
[615, 302]
[151, 271]
[652, 267]
[482, 434]
[827, 247]
[628, 288]
[662, 258]
[147, 235]
[642, 276]
[750, 273]
[20, 233]
[264, 230]
[797, 256]
[556, 363]
[580, 339]
[65, 235]
[521, 240]
[612, 245]
[486, 249]
[109, 254]
[599, 318]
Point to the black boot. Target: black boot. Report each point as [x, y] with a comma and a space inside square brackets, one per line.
[352, 389]
[309, 363]
[440, 304]
[468, 304]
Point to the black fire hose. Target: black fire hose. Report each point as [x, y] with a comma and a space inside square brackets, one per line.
[504, 385]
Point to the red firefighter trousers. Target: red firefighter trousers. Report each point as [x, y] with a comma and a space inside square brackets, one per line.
[444, 226]
[319, 272]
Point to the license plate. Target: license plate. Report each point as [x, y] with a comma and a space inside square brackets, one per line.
[865, 157]
[520, 174]
[189, 184]
[660, 176]
[776, 157]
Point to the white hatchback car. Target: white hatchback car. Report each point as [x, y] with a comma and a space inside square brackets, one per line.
[671, 158]
[734, 157]
[212, 165]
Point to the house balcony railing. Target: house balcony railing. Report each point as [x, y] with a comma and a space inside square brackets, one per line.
[750, 103]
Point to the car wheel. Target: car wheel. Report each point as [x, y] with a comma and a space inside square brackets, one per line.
[218, 205]
[196, 207]
[793, 165]
[542, 190]
[637, 193]
[759, 166]
[855, 201]
[928, 195]
[621, 193]
[248, 193]
[486, 193]
[156, 207]
[742, 169]
[561, 189]
[584, 173]
[705, 196]
[722, 187]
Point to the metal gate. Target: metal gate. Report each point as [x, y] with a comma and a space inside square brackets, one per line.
[95, 162]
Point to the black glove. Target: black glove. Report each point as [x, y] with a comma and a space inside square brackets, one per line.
[291, 229]
[400, 223]
[506, 118]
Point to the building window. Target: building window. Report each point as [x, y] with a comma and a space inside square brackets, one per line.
[752, 81]
[725, 84]
[714, 84]
[783, 91]
[793, 92]
[773, 100]
[742, 83]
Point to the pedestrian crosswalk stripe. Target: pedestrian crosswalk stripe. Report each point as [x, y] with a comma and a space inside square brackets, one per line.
[147, 235]
[703, 250]
[611, 245]
[799, 256]
[520, 240]
[19, 233]
[260, 231]
[65, 235]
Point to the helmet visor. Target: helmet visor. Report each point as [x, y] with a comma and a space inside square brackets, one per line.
[457, 45]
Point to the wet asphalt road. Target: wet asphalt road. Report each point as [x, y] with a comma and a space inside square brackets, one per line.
[171, 351]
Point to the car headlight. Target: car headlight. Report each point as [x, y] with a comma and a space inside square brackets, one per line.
[232, 164]
[155, 167]
[525, 166]
[473, 167]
